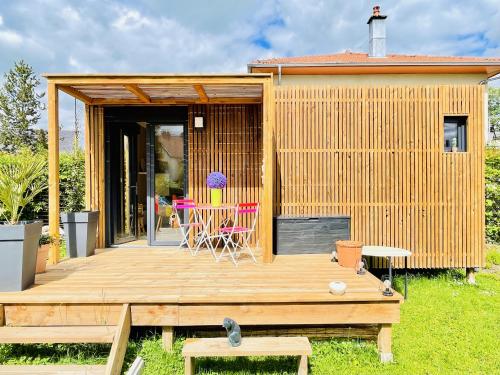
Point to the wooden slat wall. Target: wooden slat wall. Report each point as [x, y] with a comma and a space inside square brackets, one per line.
[376, 154]
[229, 142]
[94, 167]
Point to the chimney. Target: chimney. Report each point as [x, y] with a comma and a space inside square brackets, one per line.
[376, 25]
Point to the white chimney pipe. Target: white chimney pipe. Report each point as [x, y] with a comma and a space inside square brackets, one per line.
[376, 25]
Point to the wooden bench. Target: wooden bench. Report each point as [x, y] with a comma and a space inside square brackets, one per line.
[250, 346]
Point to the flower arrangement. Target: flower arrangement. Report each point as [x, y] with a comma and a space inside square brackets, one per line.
[216, 180]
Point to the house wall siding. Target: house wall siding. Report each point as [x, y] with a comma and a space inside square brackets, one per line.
[381, 79]
[230, 142]
[376, 154]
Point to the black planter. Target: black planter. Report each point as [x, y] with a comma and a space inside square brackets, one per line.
[18, 249]
[80, 230]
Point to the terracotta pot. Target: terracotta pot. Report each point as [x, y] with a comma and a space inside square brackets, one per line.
[349, 253]
[41, 259]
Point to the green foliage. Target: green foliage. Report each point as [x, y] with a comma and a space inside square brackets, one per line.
[447, 327]
[72, 180]
[20, 110]
[20, 183]
[494, 109]
[492, 191]
[492, 255]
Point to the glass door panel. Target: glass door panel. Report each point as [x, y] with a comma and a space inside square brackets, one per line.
[167, 181]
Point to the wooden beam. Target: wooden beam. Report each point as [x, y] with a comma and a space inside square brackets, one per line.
[53, 144]
[223, 100]
[52, 369]
[57, 335]
[76, 94]
[120, 80]
[167, 338]
[137, 91]
[201, 92]
[268, 173]
[119, 346]
[384, 342]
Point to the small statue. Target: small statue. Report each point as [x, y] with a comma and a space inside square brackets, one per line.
[233, 331]
[361, 268]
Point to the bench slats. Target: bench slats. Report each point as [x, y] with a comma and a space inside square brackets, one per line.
[250, 346]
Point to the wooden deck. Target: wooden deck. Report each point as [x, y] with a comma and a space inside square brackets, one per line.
[169, 287]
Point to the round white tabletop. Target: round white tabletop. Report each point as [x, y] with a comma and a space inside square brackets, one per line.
[384, 251]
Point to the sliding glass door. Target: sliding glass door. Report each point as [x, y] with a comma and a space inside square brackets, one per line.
[167, 181]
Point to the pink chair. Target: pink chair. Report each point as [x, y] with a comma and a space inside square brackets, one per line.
[193, 222]
[250, 211]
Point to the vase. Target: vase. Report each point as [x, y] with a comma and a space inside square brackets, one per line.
[41, 259]
[348, 253]
[216, 197]
[80, 229]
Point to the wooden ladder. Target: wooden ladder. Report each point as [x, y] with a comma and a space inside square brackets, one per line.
[116, 335]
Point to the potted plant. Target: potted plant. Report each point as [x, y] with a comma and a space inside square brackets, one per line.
[80, 226]
[43, 251]
[21, 180]
[216, 181]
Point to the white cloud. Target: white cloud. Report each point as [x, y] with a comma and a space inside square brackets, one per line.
[10, 37]
[130, 19]
[70, 14]
[221, 35]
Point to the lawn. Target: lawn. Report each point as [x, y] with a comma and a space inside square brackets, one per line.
[447, 327]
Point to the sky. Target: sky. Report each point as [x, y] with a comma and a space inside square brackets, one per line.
[224, 35]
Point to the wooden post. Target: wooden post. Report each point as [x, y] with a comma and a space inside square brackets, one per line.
[470, 274]
[302, 365]
[2, 316]
[189, 366]
[167, 338]
[268, 172]
[53, 135]
[384, 342]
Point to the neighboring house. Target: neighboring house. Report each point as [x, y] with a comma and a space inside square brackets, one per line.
[393, 144]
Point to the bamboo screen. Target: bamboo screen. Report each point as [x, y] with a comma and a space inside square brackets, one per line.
[376, 154]
[230, 142]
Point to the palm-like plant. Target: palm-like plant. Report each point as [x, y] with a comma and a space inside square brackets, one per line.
[20, 182]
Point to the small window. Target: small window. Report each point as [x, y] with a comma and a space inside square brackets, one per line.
[455, 133]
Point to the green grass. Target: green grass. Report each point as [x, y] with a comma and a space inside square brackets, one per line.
[447, 327]
[492, 255]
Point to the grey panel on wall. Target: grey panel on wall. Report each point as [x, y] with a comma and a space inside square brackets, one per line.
[309, 235]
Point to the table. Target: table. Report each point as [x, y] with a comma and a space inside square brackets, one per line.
[389, 253]
[250, 346]
[205, 236]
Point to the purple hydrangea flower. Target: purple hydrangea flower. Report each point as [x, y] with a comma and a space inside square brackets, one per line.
[216, 180]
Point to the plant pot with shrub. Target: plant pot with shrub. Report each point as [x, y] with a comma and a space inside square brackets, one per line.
[80, 226]
[21, 180]
[80, 229]
[43, 252]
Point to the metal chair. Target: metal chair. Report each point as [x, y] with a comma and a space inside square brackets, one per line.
[250, 212]
[192, 222]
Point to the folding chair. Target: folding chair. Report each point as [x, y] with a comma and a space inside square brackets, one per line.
[250, 211]
[186, 204]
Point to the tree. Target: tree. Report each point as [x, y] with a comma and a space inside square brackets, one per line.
[20, 110]
[494, 110]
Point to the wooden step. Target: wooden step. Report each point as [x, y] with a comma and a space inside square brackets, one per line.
[53, 369]
[57, 335]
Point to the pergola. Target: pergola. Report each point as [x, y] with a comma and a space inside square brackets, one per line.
[100, 90]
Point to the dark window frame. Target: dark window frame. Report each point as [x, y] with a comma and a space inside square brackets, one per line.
[460, 122]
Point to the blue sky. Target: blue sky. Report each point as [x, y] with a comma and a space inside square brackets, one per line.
[222, 36]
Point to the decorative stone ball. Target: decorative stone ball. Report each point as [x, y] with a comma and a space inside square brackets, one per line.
[337, 287]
